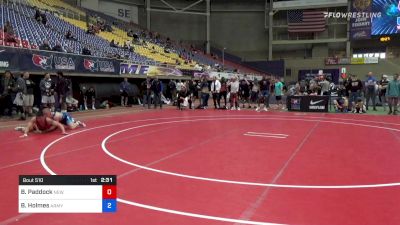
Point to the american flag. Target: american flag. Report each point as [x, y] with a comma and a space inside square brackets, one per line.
[306, 21]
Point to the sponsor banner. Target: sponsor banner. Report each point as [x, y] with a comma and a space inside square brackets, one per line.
[330, 74]
[371, 60]
[135, 69]
[219, 75]
[347, 61]
[99, 65]
[32, 60]
[357, 61]
[200, 75]
[360, 27]
[308, 103]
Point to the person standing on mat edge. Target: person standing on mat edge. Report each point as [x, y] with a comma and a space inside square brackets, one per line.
[234, 85]
[61, 89]
[383, 83]
[244, 90]
[393, 94]
[146, 86]
[90, 94]
[215, 89]
[278, 90]
[355, 87]
[264, 86]
[205, 92]
[124, 89]
[47, 89]
[370, 90]
[156, 87]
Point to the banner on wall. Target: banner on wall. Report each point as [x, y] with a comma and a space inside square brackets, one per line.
[348, 61]
[331, 74]
[360, 27]
[32, 60]
[136, 69]
[226, 75]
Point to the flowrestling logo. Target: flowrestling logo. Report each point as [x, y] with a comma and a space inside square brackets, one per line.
[352, 15]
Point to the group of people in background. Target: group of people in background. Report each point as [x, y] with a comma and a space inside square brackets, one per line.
[18, 93]
[234, 92]
[387, 91]
[353, 94]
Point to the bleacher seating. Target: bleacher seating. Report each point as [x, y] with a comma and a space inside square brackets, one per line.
[31, 34]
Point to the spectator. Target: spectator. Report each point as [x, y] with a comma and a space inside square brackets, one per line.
[234, 86]
[28, 95]
[112, 44]
[370, 90]
[341, 104]
[215, 89]
[8, 28]
[69, 35]
[45, 46]
[393, 93]
[124, 88]
[20, 89]
[184, 98]
[205, 93]
[146, 88]
[278, 93]
[90, 94]
[7, 85]
[86, 51]
[47, 90]
[9, 32]
[72, 103]
[57, 47]
[383, 83]
[61, 89]
[324, 85]
[264, 85]
[244, 91]
[38, 15]
[91, 30]
[156, 87]
[192, 90]
[359, 107]
[355, 87]
[44, 18]
[172, 89]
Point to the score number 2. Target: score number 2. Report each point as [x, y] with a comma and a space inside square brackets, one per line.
[109, 198]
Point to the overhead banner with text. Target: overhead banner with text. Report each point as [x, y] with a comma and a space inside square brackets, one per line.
[15, 59]
[360, 27]
[136, 69]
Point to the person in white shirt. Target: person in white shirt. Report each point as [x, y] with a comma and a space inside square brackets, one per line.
[234, 84]
[215, 89]
[179, 85]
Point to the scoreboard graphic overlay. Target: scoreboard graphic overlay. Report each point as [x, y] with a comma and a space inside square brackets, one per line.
[67, 194]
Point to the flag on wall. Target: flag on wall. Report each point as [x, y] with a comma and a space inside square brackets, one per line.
[306, 21]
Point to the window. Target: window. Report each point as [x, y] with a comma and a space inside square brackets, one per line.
[381, 55]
